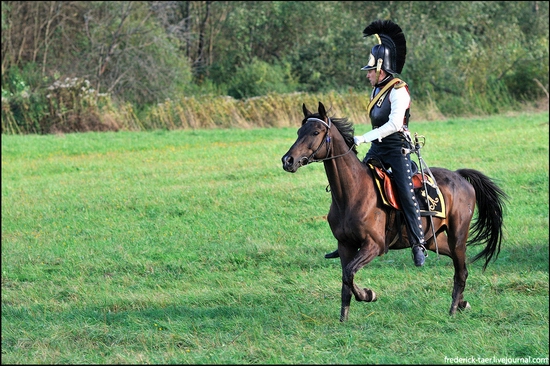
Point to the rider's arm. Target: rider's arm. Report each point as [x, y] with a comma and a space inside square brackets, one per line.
[400, 101]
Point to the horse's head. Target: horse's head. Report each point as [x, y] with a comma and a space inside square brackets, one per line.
[313, 142]
[319, 139]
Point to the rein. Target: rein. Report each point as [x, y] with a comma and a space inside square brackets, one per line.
[326, 139]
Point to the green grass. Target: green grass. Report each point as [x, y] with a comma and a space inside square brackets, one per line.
[195, 247]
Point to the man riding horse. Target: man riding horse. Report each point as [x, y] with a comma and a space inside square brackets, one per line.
[389, 113]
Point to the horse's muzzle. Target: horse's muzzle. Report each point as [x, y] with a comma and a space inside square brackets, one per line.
[291, 165]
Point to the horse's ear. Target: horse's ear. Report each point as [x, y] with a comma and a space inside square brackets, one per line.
[305, 110]
[322, 111]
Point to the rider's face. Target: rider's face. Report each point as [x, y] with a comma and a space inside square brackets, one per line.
[371, 75]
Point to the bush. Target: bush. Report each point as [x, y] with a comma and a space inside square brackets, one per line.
[71, 105]
[260, 78]
[21, 107]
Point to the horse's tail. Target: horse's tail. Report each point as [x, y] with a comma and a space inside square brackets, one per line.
[487, 227]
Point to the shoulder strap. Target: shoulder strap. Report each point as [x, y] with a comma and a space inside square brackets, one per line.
[400, 85]
[382, 92]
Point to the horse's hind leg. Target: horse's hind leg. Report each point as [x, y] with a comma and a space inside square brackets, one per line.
[458, 254]
[461, 274]
[352, 261]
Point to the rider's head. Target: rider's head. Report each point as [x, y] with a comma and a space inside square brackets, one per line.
[390, 52]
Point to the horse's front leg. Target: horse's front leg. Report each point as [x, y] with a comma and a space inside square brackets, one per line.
[352, 261]
[346, 301]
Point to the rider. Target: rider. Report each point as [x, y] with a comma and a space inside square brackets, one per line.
[389, 114]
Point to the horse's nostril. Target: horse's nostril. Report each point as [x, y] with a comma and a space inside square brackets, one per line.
[287, 160]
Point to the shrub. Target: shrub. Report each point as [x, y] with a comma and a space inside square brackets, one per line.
[260, 78]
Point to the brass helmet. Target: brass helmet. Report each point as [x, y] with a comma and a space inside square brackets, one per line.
[390, 52]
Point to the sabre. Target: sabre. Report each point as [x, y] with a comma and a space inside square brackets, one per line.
[423, 165]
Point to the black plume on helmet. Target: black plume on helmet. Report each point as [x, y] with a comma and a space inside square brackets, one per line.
[392, 48]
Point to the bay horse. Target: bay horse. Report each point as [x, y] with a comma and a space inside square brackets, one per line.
[366, 228]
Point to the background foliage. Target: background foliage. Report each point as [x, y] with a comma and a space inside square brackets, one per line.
[463, 57]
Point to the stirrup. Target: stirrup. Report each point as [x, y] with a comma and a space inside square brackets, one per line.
[424, 250]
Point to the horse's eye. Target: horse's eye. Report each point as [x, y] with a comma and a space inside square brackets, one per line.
[316, 133]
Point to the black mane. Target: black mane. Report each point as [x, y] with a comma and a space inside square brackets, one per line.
[344, 126]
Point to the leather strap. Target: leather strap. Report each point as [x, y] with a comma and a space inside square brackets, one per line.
[388, 86]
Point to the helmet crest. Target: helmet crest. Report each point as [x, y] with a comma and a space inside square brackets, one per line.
[392, 47]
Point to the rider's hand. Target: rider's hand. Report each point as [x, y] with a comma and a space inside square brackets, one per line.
[359, 140]
[368, 137]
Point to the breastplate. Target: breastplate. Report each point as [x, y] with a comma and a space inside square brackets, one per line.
[380, 113]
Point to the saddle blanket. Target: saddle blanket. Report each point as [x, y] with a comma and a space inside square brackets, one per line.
[431, 204]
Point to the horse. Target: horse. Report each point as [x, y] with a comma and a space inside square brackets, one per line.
[366, 228]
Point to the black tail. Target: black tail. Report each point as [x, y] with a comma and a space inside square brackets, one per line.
[487, 227]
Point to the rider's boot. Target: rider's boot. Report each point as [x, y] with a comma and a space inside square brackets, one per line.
[332, 255]
[419, 255]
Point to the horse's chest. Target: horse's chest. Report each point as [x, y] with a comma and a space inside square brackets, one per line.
[344, 227]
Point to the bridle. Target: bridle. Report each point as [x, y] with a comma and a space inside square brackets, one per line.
[326, 140]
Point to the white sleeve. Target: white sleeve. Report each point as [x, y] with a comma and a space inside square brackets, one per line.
[400, 101]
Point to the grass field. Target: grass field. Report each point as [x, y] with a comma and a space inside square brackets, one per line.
[195, 247]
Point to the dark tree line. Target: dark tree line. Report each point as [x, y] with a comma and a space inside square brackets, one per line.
[145, 51]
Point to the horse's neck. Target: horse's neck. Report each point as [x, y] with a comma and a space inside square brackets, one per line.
[346, 174]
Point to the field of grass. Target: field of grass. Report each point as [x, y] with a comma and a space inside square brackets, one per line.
[195, 247]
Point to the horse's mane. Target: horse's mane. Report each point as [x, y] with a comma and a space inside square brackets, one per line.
[345, 127]
[347, 130]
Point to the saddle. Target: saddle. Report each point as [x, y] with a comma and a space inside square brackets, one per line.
[431, 204]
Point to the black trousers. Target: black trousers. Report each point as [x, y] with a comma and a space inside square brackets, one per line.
[389, 152]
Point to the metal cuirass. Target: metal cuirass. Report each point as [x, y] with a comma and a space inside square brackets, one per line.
[380, 113]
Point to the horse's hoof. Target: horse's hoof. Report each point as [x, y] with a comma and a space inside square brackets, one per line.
[463, 305]
[371, 295]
